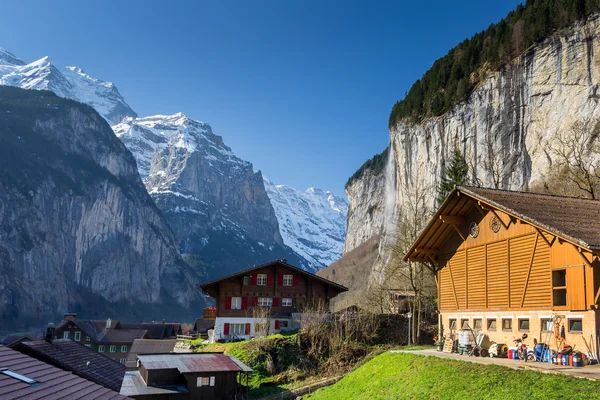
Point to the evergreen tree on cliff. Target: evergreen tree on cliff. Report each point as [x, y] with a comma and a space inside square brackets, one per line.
[455, 174]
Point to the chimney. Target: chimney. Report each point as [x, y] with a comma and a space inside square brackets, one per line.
[284, 260]
[70, 316]
[108, 323]
[49, 333]
[163, 321]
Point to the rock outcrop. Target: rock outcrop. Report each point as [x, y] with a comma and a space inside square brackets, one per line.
[78, 231]
[504, 129]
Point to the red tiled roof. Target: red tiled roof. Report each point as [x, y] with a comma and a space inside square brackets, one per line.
[74, 356]
[186, 363]
[51, 382]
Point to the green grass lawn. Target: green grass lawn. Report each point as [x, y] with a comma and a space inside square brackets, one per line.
[409, 376]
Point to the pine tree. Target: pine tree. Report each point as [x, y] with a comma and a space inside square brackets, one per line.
[455, 174]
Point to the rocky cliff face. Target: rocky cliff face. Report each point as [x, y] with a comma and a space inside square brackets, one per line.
[70, 83]
[504, 129]
[312, 223]
[77, 228]
[214, 201]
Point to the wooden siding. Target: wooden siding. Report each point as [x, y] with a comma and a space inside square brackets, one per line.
[497, 275]
[476, 277]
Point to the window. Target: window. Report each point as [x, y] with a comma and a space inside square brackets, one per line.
[283, 324]
[575, 325]
[237, 329]
[87, 338]
[547, 325]
[491, 324]
[464, 323]
[78, 336]
[246, 280]
[113, 348]
[101, 348]
[66, 334]
[236, 303]
[477, 324]
[288, 280]
[286, 302]
[265, 301]
[205, 381]
[559, 287]
[124, 349]
[523, 324]
[452, 323]
[122, 360]
[261, 279]
[20, 377]
[89, 346]
[507, 324]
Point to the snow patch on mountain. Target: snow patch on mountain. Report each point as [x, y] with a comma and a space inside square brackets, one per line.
[312, 223]
[70, 82]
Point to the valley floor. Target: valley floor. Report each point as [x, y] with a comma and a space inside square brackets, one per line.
[402, 375]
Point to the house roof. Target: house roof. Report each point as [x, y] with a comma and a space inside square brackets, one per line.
[203, 325]
[148, 346]
[193, 362]
[155, 330]
[134, 385]
[205, 285]
[73, 356]
[573, 219]
[11, 340]
[50, 382]
[96, 329]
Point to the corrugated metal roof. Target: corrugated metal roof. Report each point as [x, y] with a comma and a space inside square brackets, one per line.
[148, 346]
[133, 385]
[196, 362]
[52, 382]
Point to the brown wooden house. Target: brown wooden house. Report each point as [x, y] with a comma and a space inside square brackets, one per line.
[276, 288]
[511, 263]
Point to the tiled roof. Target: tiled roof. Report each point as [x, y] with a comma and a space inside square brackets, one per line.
[156, 330]
[568, 217]
[74, 356]
[51, 382]
[203, 325]
[13, 339]
[194, 362]
[148, 346]
[99, 334]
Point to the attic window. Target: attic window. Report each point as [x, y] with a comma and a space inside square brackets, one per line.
[20, 377]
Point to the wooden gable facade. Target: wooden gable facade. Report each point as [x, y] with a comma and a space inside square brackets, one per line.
[513, 256]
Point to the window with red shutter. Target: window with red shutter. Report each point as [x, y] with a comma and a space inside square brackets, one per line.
[270, 280]
[276, 324]
[280, 279]
[228, 303]
[295, 280]
[253, 279]
[275, 301]
[247, 330]
[244, 303]
[226, 329]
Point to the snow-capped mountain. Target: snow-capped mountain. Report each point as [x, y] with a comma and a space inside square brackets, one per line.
[214, 201]
[69, 82]
[312, 223]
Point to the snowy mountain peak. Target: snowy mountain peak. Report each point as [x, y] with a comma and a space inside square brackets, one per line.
[8, 58]
[69, 82]
[312, 223]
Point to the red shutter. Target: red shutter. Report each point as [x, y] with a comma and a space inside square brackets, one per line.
[253, 279]
[280, 279]
[275, 302]
[276, 324]
[244, 303]
[295, 280]
[270, 280]
[226, 329]
[247, 330]
[228, 303]
[255, 301]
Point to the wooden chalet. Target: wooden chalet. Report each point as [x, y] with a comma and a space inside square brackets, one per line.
[277, 287]
[510, 263]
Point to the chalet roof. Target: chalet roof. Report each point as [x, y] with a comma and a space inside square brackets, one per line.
[50, 382]
[193, 362]
[203, 325]
[75, 357]
[148, 346]
[96, 330]
[11, 340]
[205, 285]
[573, 219]
[155, 330]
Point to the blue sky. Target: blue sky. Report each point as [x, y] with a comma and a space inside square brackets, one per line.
[302, 89]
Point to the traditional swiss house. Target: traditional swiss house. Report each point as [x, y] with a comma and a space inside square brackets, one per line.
[268, 294]
[510, 263]
[104, 336]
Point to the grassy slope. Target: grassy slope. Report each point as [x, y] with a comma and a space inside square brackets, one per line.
[408, 376]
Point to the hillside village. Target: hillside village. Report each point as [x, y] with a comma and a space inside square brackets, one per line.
[165, 267]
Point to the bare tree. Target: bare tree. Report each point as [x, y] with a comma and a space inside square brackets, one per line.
[577, 157]
[262, 316]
